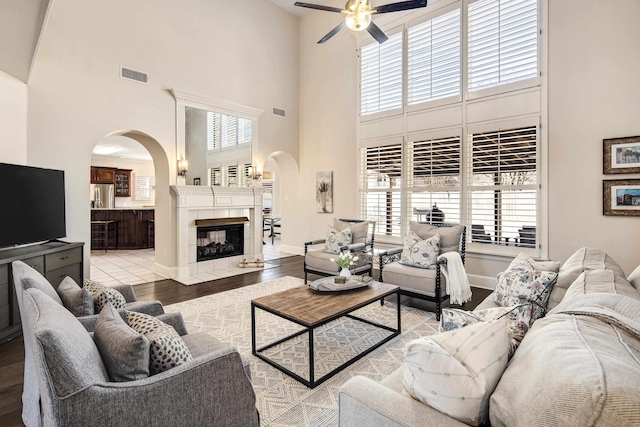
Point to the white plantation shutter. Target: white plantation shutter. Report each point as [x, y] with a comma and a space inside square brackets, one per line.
[434, 178]
[503, 186]
[381, 179]
[230, 176]
[381, 76]
[503, 42]
[246, 176]
[245, 130]
[433, 49]
[215, 177]
[229, 131]
[213, 131]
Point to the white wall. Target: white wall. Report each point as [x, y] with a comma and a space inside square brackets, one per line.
[594, 93]
[245, 52]
[328, 84]
[13, 120]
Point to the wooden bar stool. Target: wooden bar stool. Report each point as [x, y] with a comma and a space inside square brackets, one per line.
[100, 234]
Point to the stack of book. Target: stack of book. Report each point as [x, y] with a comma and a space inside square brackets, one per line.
[349, 284]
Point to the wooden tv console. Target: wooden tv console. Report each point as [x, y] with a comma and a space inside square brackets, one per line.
[54, 260]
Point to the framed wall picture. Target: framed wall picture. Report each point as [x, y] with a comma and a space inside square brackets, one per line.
[324, 191]
[196, 181]
[621, 197]
[621, 155]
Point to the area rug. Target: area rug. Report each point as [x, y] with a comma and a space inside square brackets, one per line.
[281, 400]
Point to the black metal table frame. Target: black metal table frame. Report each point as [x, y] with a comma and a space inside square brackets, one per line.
[312, 382]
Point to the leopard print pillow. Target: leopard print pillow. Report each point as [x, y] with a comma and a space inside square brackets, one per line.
[103, 294]
[167, 350]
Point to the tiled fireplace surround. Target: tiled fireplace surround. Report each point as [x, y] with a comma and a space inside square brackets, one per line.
[192, 202]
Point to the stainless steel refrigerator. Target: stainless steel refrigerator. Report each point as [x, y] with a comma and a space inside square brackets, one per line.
[102, 196]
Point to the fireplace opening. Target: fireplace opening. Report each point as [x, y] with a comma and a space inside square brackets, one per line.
[220, 241]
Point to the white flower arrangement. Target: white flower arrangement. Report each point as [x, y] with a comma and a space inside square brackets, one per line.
[345, 260]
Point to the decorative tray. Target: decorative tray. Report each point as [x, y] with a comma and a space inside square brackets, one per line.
[328, 284]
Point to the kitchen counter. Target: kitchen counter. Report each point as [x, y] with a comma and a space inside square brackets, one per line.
[134, 227]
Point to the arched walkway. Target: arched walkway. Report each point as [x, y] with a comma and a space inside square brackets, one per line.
[164, 235]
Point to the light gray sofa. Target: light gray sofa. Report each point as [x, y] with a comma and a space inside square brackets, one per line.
[212, 389]
[579, 365]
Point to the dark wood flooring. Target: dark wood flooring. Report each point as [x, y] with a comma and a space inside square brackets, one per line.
[166, 291]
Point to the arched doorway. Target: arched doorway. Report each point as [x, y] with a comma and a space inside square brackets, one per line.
[140, 206]
[277, 201]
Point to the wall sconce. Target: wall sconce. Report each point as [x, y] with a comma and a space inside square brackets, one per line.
[255, 173]
[183, 166]
[268, 176]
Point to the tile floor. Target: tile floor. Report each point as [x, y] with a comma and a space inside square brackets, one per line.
[136, 266]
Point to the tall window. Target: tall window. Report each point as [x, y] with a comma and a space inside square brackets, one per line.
[381, 76]
[433, 52]
[503, 186]
[503, 42]
[224, 131]
[381, 180]
[434, 178]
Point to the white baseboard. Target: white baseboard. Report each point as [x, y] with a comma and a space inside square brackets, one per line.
[483, 282]
[169, 272]
[292, 249]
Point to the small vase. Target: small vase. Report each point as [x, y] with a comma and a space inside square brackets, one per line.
[323, 201]
[345, 272]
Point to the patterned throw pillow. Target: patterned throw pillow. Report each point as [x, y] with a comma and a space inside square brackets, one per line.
[336, 240]
[518, 321]
[455, 372]
[167, 350]
[523, 285]
[103, 294]
[418, 252]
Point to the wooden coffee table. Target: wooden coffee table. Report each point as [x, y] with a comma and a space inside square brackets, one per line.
[312, 309]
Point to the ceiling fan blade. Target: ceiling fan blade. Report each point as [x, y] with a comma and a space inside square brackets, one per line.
[377, 33]
[318, 7]
[332, 33]
[403, 5]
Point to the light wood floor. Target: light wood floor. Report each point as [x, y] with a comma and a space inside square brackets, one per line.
[166, 291]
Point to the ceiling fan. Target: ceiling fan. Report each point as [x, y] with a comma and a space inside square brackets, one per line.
[359, 15]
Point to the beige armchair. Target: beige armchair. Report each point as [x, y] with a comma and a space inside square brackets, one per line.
[317, 261]
[422, 283]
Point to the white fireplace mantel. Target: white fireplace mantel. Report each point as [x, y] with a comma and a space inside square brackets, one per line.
[193, 202]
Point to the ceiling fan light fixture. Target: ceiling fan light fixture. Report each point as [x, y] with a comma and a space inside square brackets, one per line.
[358, 21]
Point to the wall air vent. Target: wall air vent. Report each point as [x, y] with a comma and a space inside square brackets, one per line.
[138, 76]
[278, 111]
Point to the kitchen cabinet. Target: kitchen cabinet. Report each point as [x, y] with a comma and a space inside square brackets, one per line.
[54, 260]
[132, 225]
[123, 182]
[101, 175]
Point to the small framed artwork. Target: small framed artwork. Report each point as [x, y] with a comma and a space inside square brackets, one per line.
[621, 197]
[196, 181]
[621, 155]
[324, 191]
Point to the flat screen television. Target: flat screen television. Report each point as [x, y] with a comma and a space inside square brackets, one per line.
[33, 208]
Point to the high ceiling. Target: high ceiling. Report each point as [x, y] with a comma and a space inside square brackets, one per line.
[21, 22]
[298, 11]
[20, 25]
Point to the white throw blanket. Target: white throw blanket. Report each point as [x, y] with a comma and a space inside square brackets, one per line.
[457, 282]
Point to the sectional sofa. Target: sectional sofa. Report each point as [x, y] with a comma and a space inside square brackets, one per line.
[579, 365]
